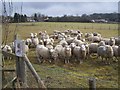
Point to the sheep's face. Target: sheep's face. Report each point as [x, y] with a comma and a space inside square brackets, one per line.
[53, 53]
[83, 48]
[72, 45]
[68, 50]
[9, 49]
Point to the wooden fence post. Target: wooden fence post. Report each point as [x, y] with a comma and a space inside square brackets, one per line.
[92, 84]
[20, 67]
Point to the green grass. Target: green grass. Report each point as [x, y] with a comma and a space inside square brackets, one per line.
[24, 29]
[70, 75]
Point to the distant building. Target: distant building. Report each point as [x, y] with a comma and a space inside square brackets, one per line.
[99, 21]
[29, 19]
[46, 19]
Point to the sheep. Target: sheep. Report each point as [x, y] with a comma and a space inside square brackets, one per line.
[108, 41]
[69, 39]
[66, 53]
[112, 41]
[93, 48]
[79, 36]
[63, 42]
[56, 32]
[105, 52]
[43, 35]
[119, 51]
[12, 45]
[35, 41]
[96, 39]
[117, 40]
[61, 36]
[87, 35]
[8, 49]
[58, 48]
[48, 41]
[28, 42]
[101, 43]
[66, 32]
[72, 45]
[26, 49]
[43, 52]
[63, 53]
[96, 34]
[74, 32]
[49, 46]
[77, 42]
[31, 35]
[35, 35]
[87, 50]
[80, 53]
[116, 51]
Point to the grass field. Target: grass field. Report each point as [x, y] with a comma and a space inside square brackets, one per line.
[24, 29]
[70, 75]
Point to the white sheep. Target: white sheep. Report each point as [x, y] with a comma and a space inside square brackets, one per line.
[8, 49]
[116, 50]
[69, 39]
[64, 53]
[105, 52]
[77, 42]
[31, 35]
[28, 42]
[96, 39]
[93, 48]
[108, 41]
[35, 41]
[117, 40]
[63, 42]
[79, 53]
[48, 41]
[43, 52]
[112, 41]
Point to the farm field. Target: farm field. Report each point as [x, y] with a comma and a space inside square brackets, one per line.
[70, 75]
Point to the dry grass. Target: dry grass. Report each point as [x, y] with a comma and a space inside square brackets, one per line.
[70, 75]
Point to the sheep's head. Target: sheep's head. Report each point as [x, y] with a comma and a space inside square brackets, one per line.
[72, 45]
[68, 50]
[83, 48]
[102, 43]
[53, 53]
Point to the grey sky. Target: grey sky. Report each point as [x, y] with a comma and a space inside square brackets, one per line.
[69, 8]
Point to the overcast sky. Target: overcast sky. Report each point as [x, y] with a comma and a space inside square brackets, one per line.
[69, 8]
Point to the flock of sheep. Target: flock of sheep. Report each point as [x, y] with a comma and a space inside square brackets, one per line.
[70, 45]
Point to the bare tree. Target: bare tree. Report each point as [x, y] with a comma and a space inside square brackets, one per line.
[6, 16]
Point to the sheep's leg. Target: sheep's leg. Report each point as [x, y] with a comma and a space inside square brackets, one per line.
[65, 60]
[81, 61]
[68, 61]
[102, 59]
[38, 57]
[50, 60]
[106, 61]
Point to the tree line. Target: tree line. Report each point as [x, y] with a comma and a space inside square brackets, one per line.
[19, 18]
[110, 17]
[37, 17]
